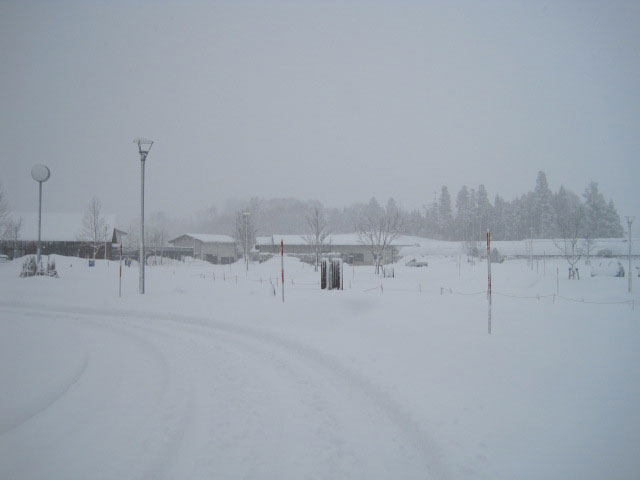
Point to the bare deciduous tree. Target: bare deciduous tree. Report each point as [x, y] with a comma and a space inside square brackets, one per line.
[317, 234]
[245, 231]
[156, 240]
[158, 234]
[572, 242]
[377, 229]
[131, 240]
[12, 233]
[95, 230]
[4, 210]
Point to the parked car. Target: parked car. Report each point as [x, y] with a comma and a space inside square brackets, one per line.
[4, 258]
[417, 263]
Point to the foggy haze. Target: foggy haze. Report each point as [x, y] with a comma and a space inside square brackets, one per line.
[328, 101]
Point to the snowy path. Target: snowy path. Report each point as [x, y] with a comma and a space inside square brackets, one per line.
[166, 396]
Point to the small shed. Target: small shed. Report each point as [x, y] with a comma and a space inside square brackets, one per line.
[213, 248]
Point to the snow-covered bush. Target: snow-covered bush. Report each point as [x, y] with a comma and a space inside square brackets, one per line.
[472, 249]
[51, 268]
[29, 267]
[496, 257]
[611, 268]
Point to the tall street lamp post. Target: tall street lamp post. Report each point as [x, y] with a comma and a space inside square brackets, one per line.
[40, 173]
[144, 146]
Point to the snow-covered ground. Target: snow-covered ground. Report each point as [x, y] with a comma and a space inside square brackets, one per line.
[210, 375]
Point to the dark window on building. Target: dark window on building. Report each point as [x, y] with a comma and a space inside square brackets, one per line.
[356, 257]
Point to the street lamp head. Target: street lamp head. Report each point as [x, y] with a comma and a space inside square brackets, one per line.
[142, 142]
[40, 173]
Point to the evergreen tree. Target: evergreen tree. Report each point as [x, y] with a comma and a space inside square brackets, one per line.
[431, 220]
[373, 206]
[595, 212]
[415, 223]
[523, 208]
[483, 212]
[463, 214]
[564, 203]
[498, 219]
[472, 218]
[510, 221]
[444, 213]
[613, 226]
[542, 210]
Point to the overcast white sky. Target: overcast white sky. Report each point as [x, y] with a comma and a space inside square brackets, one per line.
[326, 100]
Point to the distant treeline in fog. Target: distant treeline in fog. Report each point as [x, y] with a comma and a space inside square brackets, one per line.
[537, 213]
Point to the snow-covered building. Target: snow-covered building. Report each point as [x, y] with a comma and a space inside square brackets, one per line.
[209, 247]
[61, 233]
[346, 246]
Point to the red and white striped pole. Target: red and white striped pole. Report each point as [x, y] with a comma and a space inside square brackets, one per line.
[282, 265]
[489, 264]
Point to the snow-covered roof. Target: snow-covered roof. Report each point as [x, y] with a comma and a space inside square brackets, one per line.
[207, 238]
[344, 239]
[56, 227]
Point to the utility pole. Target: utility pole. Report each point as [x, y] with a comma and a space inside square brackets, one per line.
[629, 223]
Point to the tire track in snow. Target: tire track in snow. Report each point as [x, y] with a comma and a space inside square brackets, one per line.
[264, 454]
[427, 453]
[28, 410]
[86, 411]
[425, 450]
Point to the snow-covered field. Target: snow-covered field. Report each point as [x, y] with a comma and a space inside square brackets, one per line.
[209, 375]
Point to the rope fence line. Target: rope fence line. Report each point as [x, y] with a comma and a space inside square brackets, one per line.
[377, 287]
[443, 290]
[452, 292]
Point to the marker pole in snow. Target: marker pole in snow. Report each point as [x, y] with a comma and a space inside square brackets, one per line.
[120, 278]
[489, 278]
[282, 266]
[629, 223]
[489, 265]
